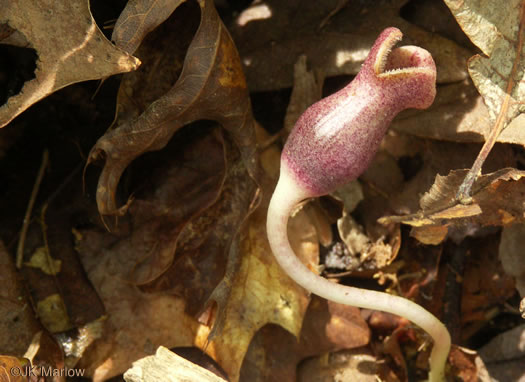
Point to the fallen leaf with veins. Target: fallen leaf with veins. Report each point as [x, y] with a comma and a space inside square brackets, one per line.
[211, 86]
[139, 18]
[70, 47]
[137, 323]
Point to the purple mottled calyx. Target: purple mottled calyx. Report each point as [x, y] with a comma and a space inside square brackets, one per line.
[335, 139]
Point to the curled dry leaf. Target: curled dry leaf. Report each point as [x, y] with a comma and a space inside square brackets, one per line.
[211, 86]
[174, 228]
[70, 47]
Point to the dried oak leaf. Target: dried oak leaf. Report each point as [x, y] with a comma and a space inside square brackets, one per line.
[493, 202]
[137, 322]
[272, 34]
[211, 86]
[70, 47]
[198, 256]
[499, 31]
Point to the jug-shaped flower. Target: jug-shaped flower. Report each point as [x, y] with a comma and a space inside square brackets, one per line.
[335, 139]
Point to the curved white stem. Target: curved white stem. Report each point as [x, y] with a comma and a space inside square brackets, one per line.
[286, 196]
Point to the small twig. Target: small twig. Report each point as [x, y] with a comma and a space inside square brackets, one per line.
[340, 5]
[27, 216]
[270, 141]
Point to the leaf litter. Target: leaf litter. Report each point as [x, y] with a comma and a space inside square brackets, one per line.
[187, 263]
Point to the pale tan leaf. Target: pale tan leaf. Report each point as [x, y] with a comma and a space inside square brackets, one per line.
[499, 30]
[495, 27]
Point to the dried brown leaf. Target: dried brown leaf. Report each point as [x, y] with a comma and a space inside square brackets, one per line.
[272, 34]
[70, 47]
[211, 86]
[494, 197]
[274, 354]
[137, 322]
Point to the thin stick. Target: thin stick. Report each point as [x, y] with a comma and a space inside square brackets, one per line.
[27, 216]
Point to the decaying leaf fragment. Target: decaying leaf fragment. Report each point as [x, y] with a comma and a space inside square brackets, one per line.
[511, 254]
[211, 86]
[70, 47]
[495, 202]
[498, 29]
